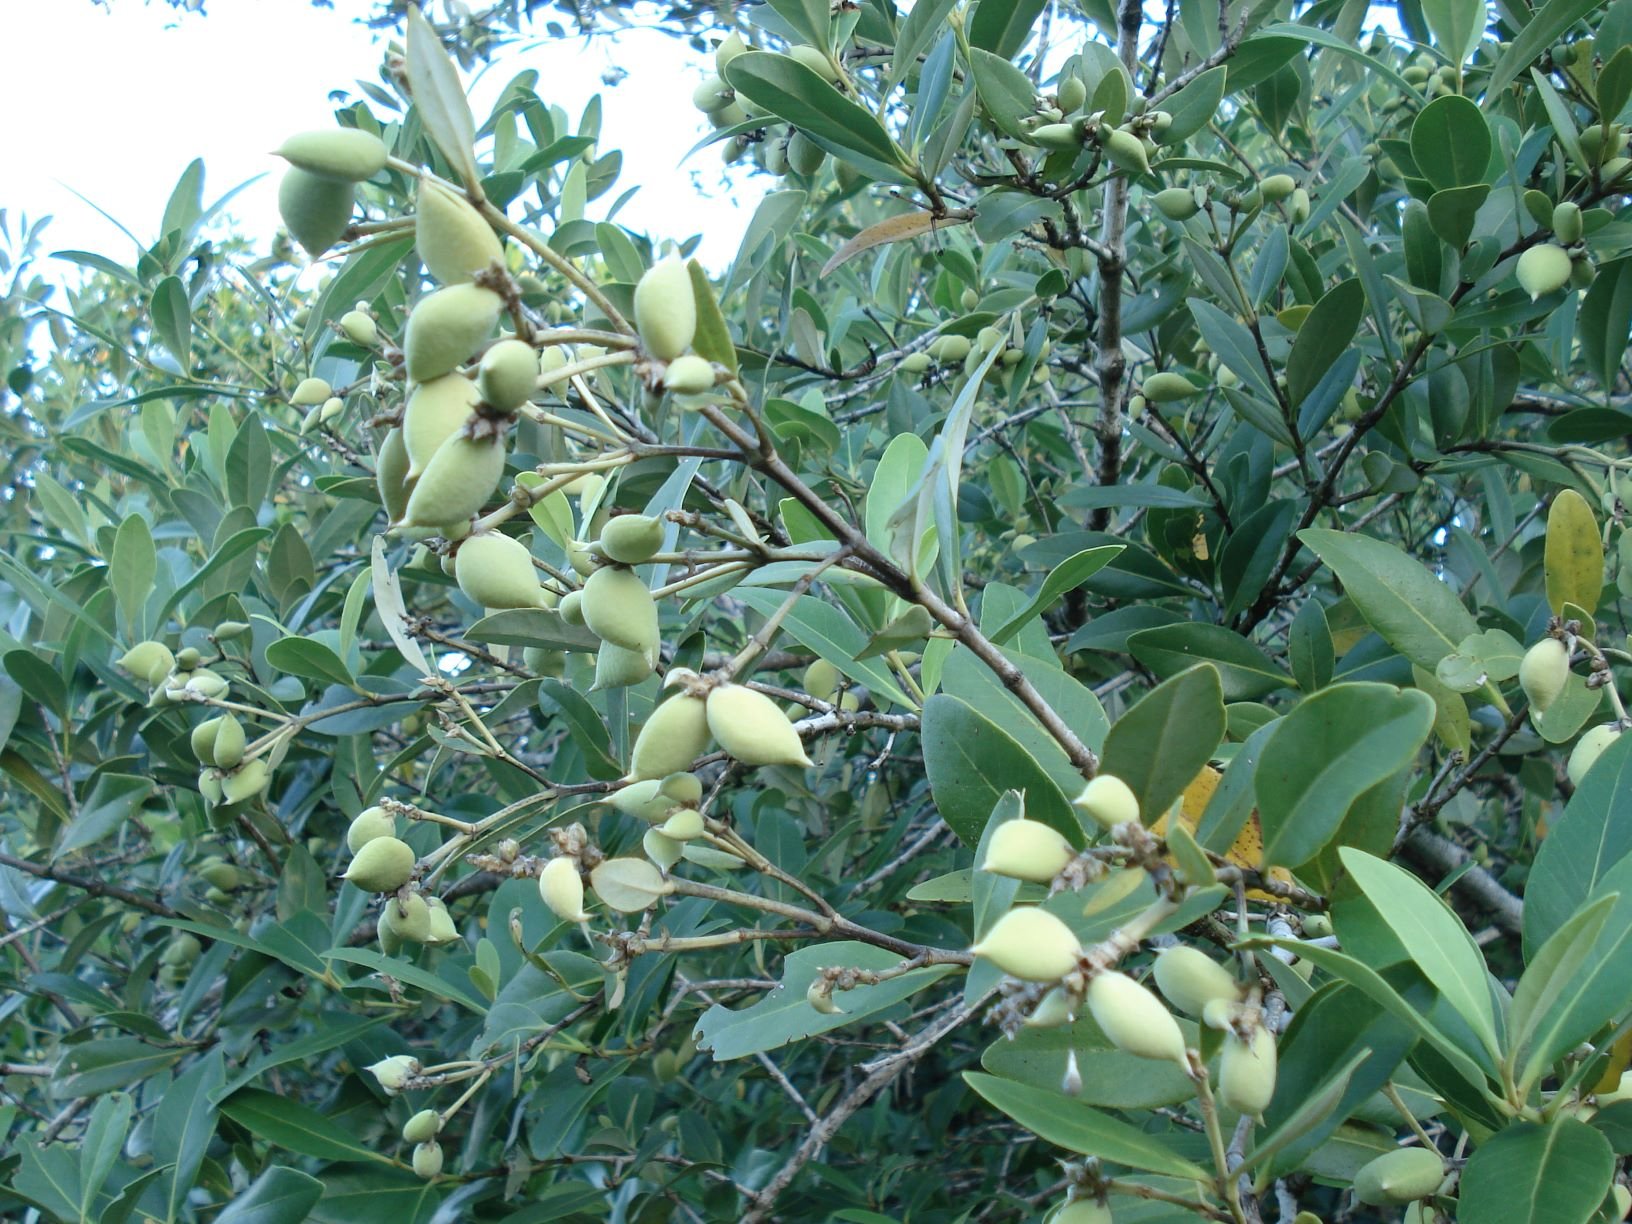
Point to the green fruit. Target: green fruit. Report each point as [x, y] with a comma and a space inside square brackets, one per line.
[446, 327]
[316, 211]
[1191, 979]
[712, 95]
[1299, 206]
[562, 888]
[752, 728]
[393, 1073]
[805, 156]
[1277, 187]
[729, 115]
[391, 475]
[1166, 387]
[383, 865]
[1027, 850]
[1582, 274]
[410, 917]
[209, 785]
[1060, 136]
[1176, 203]
[1588, 749]
[685, 824]
[579, 556]
[1543, 269]
[674, 736]
[310, 391]
[343, 155]
[1398, 1177]
[616, 667]
[1415, 75]
[359, 328]
[149, 661]
[821, 680]
[497, 572]
[436, 411]
[632, 539]
[453, 240]
[949, 349]
[1133, 1018]
[1567, 222]
[1071, 93]
[1246, 1072]
[508, 375]
[1109, 800]
[1125, 150]
[457, 482]
[915, 363]
[367, 825]
[730, 47]
[442, 929]
[427, 1160]
[228, 631]
[219, 874]
[1056, 1009]
[183, 949]
[689, 375]
[644, 800]
[422, 1127]
[245, 782]
[666, 310]
[816, 61]
[684, 788]
[1031, 944]
[619, 609]
[1544, 671]
[1082, 1211]
[571, 607]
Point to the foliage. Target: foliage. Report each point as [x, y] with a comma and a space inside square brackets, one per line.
[1168, 476]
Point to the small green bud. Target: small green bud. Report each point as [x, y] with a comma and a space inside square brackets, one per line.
[1031, 944]
[1544, 671]
[316, 211]
[1071, 93]
[1277, 187]
[689, 374]
[1398, 1177]
[453, 239]
[816, 61]
[359, 328]
[310, 391]
[1109, 800]
[422, 1127]
[1246, 1073]
[394, 1073]
[496, 571]
[427, 1160]
[562, 888]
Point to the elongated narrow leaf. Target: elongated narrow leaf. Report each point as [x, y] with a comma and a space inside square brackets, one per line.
[900, 228]
[1160, 744]
[439, 97]
[1325, 334]
[794, 93]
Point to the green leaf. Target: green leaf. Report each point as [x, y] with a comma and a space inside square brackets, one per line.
[101, 1144]
[532, 627]
[173, 319]
[1037, 1057]
[1325, 335]
[1249, 554]
[1450, 139]
[1003, 26]
[113, 1062]
[308, 658]
[1454, 211]
[794, 93]
[819, 626]
[1529, 1174]
[1551, 970]
[1006, 93]
[784, 1015]
[1605, 319]
[103, 811]
[1245, 672]
[1581, 847]
[1194, 106]
[286, 1123]
[131, 570]
[439, 98]
[1068, 575]
[1325, 754]
[1539, 33]
[48, 1175]
[971, 761]
[280, 1195]
[588, 729]
[1079, 1127]
[1573, 558]
[1457, 26]
[1161, 743]
[183, 1126]
[1309, 647]
[1410, 609]
[333, 1029]
[713, 339]
[1614, 86]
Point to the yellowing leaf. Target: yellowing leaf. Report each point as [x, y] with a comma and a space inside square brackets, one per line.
[1574, 555]
[894, 229]
[1248, 848]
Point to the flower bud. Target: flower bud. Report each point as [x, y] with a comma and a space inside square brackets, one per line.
[666, 310]
[427, 1160]
[383, 865]
[819, 994]
[1400, 1176]
[1133, 1018]
[453, 240]
[457, 482]
[359, 328]
[571, 607]
[1027, 850]
[1109, 800]
[1191, 979]
[632, 539]
[149, 661]
[315, 211]
[446, 327]
[497, 572]
[619, 609]
[508, 375]
[1588, 749]
[1246, 1072]
[422, 1127]
[1176, 203]
[752, 728]
[1543, 269]
[562, 888]
[1167, 386]
[394, 1073]
[689, 375]
[343, 155]
[674, 736]
[391, 475]
[435, 412]
[1544, 671]
[1031, 944]
[410, 917]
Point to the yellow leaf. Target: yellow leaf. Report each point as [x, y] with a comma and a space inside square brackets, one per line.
[1248, 848]
[1574, 554]
[894, 229]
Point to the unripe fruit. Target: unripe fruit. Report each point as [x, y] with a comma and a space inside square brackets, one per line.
[1277, 187]
[674, 736]
[383, 865]
[578, 554]
[442, 929]
[1544, 671]
[410, 917]
[1060, 136]
[729, 115]
[752, 728]
[245, 782]
[1176, 203]
[183, 949]
[1109, 800]
[391, 475]
[619, 609]
[1027, 850]
[1623, 1201]
[1125, 150]
[1191, 979]
[219, 742]
[712, 95]
[1055, 1009]
[310, 391]
[149, 661]
[436, 411]
[1031, 944]
[665, 852]
[456, 482]
[949, 349]
[686, 788]
[1133, 1018]
[632, 539]
[428, 1160]
[689, 375]
[446, 327]
[616, 667]
[816, 61]
[1588, 749]
[563, 889]
[1567, 222]
[1071, 93]
[666, 310]
[1397, 1177]
[209, 785]
[359, 328]
[368, 824]
[571, 607]
[684, 825]
[915, 363]
[453, 240]
[218, 874]
[644, 800]
[1544, 269]
[819, 994]
[1246, 1072]
[805, 156]
[508, 375]
[394, 1073]
[730, 47]
[343, 155]
[315, 210]
[1167, 386]
[497, 572]
[821, 680]
[1299, 206]
[1082, 1211]
[422, 1127]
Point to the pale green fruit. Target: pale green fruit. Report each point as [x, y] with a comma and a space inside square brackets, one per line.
[1191, 979]
[1277, 187]
[562, 888]
[666, 310]
[684, 825]
[344, 155]
[619, 609]
[442, 929]
[1399, 1177]
[644, 800]
[359, 328]
[427, 1160]
[578, 554]
[821, 680]
[729, 115]
[1544, 671]
[664, 851]
[205, 682]
[316, 211]
[245, 782]
[1027, 850]
[752, 728]
[1567, 224]
[730, 47]
[1109, 800]
[689, 375]
[817, 62]
[1543, 269]
[1058, 136]
[332, 407]
[616, 667]
[1125, 150]
[674, 736]
[219, 874]
[1055, 1009]
[1246, 1072]
[457, 482]
[383, 865]
[209, 785]
[149, 661]
[1588, 749]
[182, 949]
[391, 475]
[1167, 386]
[1176, 203]
[1071, 93]
[188, 658]
[393, 1073]
[916, 363]
[453, 240]
[436, 411]
[422, 1127]
[497, 572]
[230, 742]
[1623, 1201]
[203, 741]
[555, 357]
[988, 338]
[686, 788]
[367, 825]
[1081, 1211]
[1298, 206]
[446, 327]
[410, 917]
[508, 375]
[712, 95]
[310, 391]
[1031, 944]
[632, 539]
[949, 349]
[1133, 1018]
[805, 156]
[572, 607]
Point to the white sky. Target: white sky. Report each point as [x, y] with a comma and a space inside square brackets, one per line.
[126, 98]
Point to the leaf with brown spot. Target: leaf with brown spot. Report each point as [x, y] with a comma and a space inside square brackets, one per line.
[894, 229]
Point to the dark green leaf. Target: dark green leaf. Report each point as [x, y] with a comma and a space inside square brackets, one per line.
[1160, 744]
